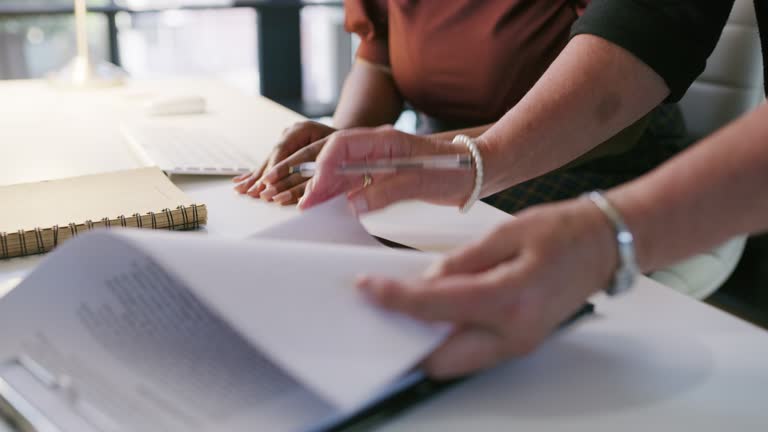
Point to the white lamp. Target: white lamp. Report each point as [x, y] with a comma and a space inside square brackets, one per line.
[81, 71]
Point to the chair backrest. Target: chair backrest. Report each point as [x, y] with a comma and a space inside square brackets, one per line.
[732, 82]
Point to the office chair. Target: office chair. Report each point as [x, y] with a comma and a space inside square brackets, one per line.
[731, 85]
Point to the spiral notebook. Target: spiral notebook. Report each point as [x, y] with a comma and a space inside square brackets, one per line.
[36, 217]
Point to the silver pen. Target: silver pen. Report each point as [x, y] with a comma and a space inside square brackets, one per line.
[387, 166]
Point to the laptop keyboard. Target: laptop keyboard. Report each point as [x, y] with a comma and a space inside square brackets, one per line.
[188, 151]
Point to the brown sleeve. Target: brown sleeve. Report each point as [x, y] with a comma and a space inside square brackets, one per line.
[368, 19]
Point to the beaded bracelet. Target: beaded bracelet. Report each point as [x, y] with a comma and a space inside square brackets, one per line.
[477, 162]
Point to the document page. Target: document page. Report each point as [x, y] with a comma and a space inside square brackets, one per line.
[142, 350]
[297, 303]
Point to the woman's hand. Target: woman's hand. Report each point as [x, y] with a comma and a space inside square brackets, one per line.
[506, 293]
[447, 187]
[300, 143]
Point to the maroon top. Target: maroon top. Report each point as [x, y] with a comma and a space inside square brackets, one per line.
[468, 61]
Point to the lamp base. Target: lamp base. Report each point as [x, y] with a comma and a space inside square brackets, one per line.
[80, 72]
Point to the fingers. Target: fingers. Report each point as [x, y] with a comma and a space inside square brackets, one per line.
[290, 196]
[353, 146]
[384, 191]
[499, 245]
[294, 147]
[272, 190]
[247, 183]
[458, 299]
[282, 165]
[467, 350]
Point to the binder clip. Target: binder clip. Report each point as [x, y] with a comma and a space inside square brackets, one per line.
[32, 399]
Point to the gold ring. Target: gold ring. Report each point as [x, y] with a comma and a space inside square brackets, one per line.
[367, 180]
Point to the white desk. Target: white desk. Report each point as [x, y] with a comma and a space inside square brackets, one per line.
[652, 360]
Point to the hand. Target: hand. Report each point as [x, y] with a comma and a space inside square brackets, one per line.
[300, 143]
[506, 293]
[447, 187]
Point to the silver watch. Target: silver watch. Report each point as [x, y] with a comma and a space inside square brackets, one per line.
[626, 273]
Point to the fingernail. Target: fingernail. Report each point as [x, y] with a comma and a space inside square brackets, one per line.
[268, 193]
[282, 197]
[239, 186]
[359, 204]
[253, 189]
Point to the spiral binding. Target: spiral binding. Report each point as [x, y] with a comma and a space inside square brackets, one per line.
[184, 220]
[187, 222]
[169, 218]
[4, 243]
[39, 240]
[195, 218]
[139, 222]
[23, 239]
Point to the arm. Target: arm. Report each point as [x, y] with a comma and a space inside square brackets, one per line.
[711, 192]
[470, 132]
[657, 48]
[369, 97]
[577, 104]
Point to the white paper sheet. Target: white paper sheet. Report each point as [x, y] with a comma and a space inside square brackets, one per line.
[332, 222]
[297, 303]
[141, 348]
[122, 312]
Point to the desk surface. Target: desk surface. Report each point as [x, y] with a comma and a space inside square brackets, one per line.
[651, 360]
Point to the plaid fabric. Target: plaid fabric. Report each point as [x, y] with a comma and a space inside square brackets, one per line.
[664, 136]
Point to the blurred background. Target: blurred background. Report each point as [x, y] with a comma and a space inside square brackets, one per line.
[305, 41]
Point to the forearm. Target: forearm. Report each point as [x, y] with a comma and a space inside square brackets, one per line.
[369, 98]
[593, 90]
[470, 132]
[713, 191]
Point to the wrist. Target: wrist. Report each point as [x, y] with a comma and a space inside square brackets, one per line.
[495, 176]
[458, 182]
[477, 168]
[626, 269]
